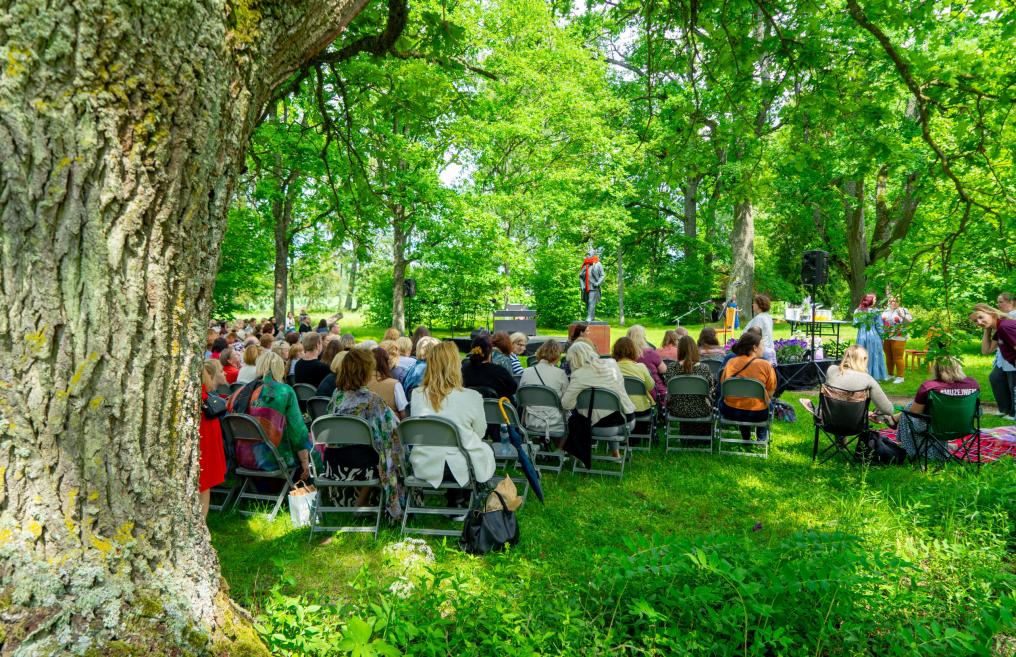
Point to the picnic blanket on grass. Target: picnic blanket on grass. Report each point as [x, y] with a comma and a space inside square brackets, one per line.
[995, 443]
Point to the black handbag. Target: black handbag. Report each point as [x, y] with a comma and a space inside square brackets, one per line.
[488, 531]
[213, 407]
[579, 442]
[876, 450]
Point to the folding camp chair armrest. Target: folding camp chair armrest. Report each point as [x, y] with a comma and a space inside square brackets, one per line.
[920, 416]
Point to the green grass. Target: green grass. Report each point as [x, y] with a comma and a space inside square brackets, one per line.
[955, 525]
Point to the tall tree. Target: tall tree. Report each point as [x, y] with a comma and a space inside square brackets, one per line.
[124, 123]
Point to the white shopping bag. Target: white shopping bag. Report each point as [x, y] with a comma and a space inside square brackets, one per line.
[301, 503]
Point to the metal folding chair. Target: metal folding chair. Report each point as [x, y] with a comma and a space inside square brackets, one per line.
[231, 483]
[431, 431]
[546, 456]
[692, 386]
[949, 418]
[304, 392]
[728, 432]
[505, 461]
[634, 386]
[338, 432]
[715, 367]
[245, 428]
[317, 407]
[233, 387]
[611, 437]
[843, 418]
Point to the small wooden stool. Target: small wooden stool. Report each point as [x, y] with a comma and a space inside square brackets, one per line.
[913, 357]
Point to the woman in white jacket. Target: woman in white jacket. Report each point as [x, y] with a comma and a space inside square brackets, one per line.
[442, 394]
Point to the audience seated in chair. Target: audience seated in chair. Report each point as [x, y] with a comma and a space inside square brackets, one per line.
[384, 384]
[480, 372]
[949, 379]
[668, 350]
[309, 369]
[414, 377]
[501, 352]
[651, 359]
[748, 362]
[709, 345]
[442, 394]
[231, 362]
[268, 391]
[352, 397]
[625, 354]
[852, 375]
[588, 370]
[688, 363]
[545, 372]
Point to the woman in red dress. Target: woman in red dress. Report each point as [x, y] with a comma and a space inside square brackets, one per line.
[211, 456]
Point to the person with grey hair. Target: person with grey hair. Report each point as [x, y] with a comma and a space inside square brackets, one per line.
[588, 370]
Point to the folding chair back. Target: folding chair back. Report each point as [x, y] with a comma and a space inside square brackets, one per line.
[244, 428]
[336, 432]
[304, 391]
[485, 391]
[531, 396]
[689, 385]
[616, 438]
[715, 367]
[637, 387]
[222, 391]
[952, 417]
[843, 417]
[317, 407]
[742, 388]
[430, 431]
[233, 387]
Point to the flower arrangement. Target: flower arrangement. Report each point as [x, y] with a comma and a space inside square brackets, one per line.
[790, 350]
[730, 344]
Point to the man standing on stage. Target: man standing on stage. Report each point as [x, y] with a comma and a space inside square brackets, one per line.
[591, 275]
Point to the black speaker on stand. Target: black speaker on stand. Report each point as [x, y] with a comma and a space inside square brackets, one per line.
[814, 272]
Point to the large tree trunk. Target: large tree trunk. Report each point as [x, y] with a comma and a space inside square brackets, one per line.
[123, 124]
[742, 249]
[351, 289]
[620, 284]
[857, 240]
[282, 210]
[398, 271]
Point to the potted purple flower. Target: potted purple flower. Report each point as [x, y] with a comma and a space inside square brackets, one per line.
[790, 350]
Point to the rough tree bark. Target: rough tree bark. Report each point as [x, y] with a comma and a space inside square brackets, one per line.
[282, 213]
[351, 289]
[857, 239]
[121, 128]
[399, 239]
[742, 247]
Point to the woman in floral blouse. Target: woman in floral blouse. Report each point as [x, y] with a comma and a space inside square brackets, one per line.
[690, 405]
[895, 325]
[351, 397]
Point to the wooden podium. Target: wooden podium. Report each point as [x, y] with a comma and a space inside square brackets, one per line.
[599, 334]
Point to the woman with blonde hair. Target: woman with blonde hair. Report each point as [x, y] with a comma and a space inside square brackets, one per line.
[651, 359]
[392, 334]
[852, 375]
[270, 392]
[948, 379]
[442, 394]
[415, 374]
[999, 331]
[211, 455]
[250, 356]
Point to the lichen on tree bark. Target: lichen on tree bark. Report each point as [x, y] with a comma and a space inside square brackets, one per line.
[121, 126]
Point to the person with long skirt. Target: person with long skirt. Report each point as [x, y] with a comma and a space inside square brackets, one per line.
[868, 321]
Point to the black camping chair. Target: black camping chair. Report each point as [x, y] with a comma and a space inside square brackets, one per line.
[843, 418]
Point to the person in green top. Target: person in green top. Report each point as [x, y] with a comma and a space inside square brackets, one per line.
[267, 391]
[626, 355]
